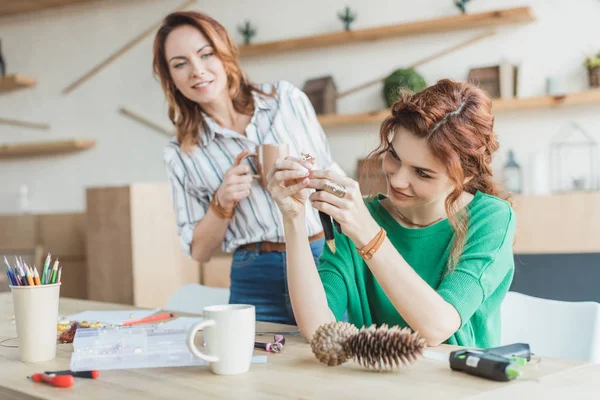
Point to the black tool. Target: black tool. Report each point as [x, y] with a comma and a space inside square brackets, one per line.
[521, 350]
[76, 374]
[484, 364]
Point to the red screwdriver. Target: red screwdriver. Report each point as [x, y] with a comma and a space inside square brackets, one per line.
[54, 380]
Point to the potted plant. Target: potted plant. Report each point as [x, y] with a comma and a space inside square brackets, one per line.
[593, 66]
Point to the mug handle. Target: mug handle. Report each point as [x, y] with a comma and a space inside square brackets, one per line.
[246, 156]
[192, 334]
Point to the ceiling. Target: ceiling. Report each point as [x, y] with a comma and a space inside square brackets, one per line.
[11, 7]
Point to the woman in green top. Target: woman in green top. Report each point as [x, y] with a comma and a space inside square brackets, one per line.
[446, 263]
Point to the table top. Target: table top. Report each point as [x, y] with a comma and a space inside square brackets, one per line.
[294, 373]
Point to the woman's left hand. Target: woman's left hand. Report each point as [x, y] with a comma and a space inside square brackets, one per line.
[349, 211]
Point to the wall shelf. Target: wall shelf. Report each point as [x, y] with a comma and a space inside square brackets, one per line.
[437, 25]
[33, 149]
[18, 7]
[15, 81]
[499, 105]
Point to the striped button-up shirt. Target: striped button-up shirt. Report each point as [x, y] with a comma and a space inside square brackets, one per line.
[288, 117]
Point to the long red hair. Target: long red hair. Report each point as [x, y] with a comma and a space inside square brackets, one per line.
[455, 118]
[185, 114]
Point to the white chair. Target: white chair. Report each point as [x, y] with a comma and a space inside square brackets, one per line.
[192, 298]
[552, 328]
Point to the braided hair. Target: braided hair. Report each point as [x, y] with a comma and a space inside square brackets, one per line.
[456, 121]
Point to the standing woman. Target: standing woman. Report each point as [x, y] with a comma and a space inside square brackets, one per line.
[219, 117]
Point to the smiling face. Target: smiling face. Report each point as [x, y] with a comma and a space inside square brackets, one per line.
[194, 67]
[415, 178]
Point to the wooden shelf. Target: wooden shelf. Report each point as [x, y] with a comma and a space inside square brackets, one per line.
[528, 103]
[444, 24]
[44, 148]
[15, 82]
[9, 7]
[499, 105]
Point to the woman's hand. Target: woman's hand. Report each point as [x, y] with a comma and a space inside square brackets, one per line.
[236, 184]
[349, 211]
[287, 182]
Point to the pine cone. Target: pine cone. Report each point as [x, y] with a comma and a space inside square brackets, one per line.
[384, 348]
[329, 343]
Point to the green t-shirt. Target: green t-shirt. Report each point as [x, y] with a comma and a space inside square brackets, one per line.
[475, 288]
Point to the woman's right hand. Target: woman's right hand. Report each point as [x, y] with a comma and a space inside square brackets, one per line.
[287, 182]
[236, 184]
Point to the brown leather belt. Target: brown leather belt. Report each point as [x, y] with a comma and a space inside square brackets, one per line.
[275, 247]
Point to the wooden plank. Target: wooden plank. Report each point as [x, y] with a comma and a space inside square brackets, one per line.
[125, 48]
[332, 120]
[499, 105]
[44, 148]
[63, 235]
[570, 99]
[11, 7]
[216, 272]
[437, 25]
[24, 124]
[159, 265]
[108, 244]
[562, 223]
[147, 122]
[13, 82]
[19, 232]
[73, 278]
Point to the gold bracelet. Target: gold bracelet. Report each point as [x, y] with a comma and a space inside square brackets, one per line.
[367, 251]
[219, 210]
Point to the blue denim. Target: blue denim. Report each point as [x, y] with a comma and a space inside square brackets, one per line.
[260, 279]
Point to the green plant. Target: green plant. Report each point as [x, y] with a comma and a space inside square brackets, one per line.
[462, 5]
[404, 78]
[347, 18]
[592, 61]
[248, 31]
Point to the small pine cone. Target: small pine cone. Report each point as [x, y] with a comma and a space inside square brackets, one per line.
[384, 348]
[329, 342]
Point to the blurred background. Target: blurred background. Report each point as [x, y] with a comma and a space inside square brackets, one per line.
[83, 123]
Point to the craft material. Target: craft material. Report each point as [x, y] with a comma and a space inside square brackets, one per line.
[54, 380]
[111, 317]
[22, 274]
[275, 347]
[153, 318]
[137, 346]
[326, 220]
[380, 348]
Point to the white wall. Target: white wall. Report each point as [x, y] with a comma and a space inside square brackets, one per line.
[57, 46]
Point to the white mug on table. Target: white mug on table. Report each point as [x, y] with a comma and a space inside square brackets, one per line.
[229, 332]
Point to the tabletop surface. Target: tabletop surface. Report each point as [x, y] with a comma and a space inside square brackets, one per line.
[294, 373]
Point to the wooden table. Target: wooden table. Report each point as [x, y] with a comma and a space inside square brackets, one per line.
[295, 373]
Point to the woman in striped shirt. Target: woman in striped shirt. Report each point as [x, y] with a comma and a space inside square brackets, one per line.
[219, 117]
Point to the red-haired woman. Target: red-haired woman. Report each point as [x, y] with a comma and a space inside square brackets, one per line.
[219, 116]
[435, 253]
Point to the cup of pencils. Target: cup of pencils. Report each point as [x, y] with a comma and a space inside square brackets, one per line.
[35, 302]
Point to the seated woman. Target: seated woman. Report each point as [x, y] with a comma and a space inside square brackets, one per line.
[435, 254]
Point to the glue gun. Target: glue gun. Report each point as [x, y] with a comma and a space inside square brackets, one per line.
[498, 363]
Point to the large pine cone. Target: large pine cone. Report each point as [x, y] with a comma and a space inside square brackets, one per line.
[329, 343]
[384, 348]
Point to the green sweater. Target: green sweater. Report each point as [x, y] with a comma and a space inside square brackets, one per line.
[475, 288]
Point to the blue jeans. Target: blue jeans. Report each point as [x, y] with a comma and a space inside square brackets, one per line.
[260, 279]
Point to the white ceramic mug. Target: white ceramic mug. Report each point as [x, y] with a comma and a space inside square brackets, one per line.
[229, 332]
